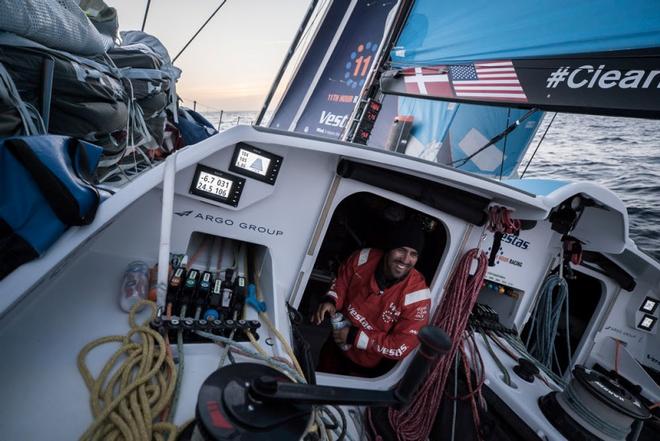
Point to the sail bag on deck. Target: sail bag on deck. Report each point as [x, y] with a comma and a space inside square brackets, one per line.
[47, 187]
[88, 101]
[57, 24]
[16, 118]
[149, 85]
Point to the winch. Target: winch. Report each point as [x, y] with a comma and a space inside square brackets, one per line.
[254, 402]
[593, 407]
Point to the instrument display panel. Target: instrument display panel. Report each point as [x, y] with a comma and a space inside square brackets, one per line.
[255, 163]
[216, 185]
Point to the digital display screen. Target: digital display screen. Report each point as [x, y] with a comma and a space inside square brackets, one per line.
[216, 185]
[649, 305]
[252, 162]
[255, 163]
[647, 323]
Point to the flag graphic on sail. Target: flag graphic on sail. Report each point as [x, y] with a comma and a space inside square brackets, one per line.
[432, 81]
[492, 80]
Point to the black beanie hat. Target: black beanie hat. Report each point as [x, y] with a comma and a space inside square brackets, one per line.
[407, 234]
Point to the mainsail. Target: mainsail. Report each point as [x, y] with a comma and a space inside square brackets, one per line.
[554, 55]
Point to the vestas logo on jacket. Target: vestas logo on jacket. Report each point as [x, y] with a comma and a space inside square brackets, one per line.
[393, 352]
[359, 318]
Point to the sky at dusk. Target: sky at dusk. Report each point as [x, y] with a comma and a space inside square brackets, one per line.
[233, 61]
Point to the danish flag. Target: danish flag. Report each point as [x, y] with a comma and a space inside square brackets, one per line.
[432, 81]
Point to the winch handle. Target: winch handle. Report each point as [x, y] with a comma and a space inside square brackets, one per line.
[434, 343]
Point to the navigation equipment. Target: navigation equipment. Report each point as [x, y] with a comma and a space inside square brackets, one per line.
[216, 185]
[255, 163]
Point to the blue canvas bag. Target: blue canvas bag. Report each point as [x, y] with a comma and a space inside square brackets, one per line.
[46, 185]
[194, 127]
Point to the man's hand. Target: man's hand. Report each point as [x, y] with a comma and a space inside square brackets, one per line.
[323, 309]
[340, 335]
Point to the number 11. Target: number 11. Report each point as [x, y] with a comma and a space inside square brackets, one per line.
[364, 61]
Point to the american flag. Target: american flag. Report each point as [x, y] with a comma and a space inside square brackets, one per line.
[432, 81]
[494, 81]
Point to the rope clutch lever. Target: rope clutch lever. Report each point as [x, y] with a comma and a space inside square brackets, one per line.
[497, 243]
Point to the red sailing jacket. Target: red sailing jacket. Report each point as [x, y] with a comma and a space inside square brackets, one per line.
[387, 321]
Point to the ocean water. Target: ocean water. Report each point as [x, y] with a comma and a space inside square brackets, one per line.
[225, 120]
[622, 154]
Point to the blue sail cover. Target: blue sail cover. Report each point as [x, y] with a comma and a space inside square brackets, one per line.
[446, 32]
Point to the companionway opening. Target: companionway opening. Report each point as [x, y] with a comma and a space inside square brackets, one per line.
[363, 220]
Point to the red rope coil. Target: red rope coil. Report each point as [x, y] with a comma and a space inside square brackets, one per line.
[415, 422]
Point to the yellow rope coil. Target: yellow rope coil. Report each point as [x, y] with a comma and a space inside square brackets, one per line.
[134, 387]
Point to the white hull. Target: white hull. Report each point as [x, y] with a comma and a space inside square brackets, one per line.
[53, 306]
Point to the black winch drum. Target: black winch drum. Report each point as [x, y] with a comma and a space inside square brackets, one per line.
[215, 419]
[592, 407]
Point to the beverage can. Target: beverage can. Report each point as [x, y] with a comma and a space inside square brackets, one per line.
[339, 322]
[135, 285]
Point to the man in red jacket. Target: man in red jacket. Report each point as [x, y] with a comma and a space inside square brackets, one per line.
[385, 299]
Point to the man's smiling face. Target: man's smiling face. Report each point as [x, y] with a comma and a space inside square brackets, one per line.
[399, 262]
